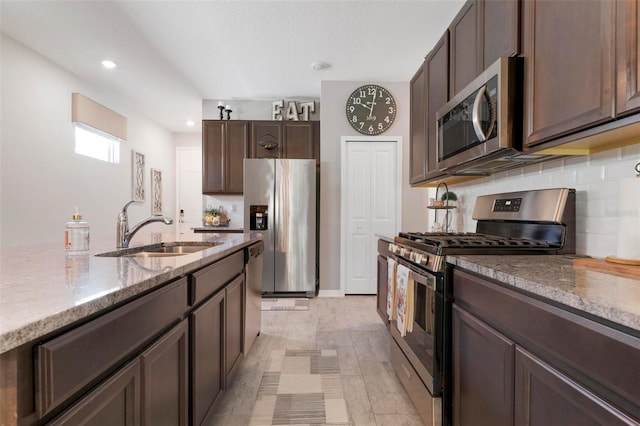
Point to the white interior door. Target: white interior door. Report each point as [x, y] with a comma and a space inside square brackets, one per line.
[370, 206]
[189, 188]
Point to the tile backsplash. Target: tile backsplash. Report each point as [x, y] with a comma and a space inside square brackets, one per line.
[607, 197]
[233, 205]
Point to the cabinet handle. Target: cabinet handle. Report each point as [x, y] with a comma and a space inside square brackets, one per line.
[268, 145]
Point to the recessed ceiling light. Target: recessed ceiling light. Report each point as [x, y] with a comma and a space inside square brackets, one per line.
[320, 66]
[109, 64]
[190, 123]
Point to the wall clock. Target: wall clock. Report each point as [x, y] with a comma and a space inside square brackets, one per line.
[371, 109]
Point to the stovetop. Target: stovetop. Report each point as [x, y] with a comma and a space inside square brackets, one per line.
[445, 241]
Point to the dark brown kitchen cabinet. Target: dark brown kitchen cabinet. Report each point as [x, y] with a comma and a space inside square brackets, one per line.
[437, 81]
[302, 139]
[569, 66]
[482, 373]
[115, 402]
[499, 30]
[285, 139]
[582, 371]
[234, 325]
[418, 135]
[266, 139]
[465, 43]
[225, 145]
[165, 378]
[150, 390]
[546, 397]
[207, 356]
[627, 56]
[383, 280]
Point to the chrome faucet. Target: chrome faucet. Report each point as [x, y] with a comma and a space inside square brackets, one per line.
[123, 235]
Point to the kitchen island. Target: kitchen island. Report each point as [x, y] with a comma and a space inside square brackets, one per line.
[537, 339]
[88, 336]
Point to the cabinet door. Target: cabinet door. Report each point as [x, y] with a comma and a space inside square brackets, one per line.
[300, 139]
[164, 379]
[628, 56]
[499, 29]
[418, 136]
[213, 134]
[437, 69]
[546, 397]
[465, 42]
[116, 402]
[207, 349]
[235, 151]
[383, 280]
[234, 324]
[482, 373]
[266, 139]
[569, 56]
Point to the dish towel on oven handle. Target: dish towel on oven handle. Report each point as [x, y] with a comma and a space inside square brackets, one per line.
[391, 289]
[404, 300]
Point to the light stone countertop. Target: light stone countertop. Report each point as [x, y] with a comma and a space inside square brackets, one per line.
[611, 296]
[385, 238]
[42, 289]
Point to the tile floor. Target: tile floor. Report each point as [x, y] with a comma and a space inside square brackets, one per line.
[350, 326]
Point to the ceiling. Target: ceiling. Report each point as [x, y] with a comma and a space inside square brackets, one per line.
[173, 54]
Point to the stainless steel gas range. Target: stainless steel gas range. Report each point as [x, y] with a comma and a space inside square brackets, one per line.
[529, 222]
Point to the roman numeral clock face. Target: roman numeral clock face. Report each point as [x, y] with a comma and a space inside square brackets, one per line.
[371, 109]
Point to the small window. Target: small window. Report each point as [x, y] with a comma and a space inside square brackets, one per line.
[96, 144]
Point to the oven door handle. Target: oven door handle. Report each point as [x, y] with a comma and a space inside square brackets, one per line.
[427, 281]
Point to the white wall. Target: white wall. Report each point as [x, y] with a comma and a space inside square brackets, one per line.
[333, 126]
[41, 176]
[603, 182]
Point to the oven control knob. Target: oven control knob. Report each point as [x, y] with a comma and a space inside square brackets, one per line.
[423, 259]
[392, 247]
[412, 256]
[417, 257]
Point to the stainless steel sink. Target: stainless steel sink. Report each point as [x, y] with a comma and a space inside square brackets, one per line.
[178, 248]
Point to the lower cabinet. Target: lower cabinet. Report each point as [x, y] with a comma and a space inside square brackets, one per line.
[207, 378]
[482, 373]
[217, 332]
[517, 360]
[546, 397]
[150, 390]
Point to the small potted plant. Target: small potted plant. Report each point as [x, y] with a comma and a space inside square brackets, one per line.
[449, 198]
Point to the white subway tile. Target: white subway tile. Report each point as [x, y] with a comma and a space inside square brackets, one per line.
[590, 174]
[633, 150]
[564, 179]
[602, 191]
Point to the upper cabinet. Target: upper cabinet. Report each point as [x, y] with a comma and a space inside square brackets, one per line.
[627, 56]
[417, 135]
[465, 39]
[569, 66]
[482, 32]
[224, 147]
[437, 69]
[285, 139]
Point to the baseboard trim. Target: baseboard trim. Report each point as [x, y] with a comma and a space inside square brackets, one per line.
[330, 293]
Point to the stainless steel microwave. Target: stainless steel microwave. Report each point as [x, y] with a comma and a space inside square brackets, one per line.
[480, 129]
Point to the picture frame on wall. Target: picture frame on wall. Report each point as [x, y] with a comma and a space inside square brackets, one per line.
[156, 192]
[137, 176]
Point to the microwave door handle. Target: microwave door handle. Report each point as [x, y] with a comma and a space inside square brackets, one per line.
[475, 115]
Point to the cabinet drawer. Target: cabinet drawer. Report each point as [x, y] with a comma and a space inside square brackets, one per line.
[72, 361]
[210, 279]
[599, 357]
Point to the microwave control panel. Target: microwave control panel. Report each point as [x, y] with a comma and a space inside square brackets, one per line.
[507, 205]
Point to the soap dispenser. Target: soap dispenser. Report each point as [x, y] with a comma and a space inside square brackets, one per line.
[76, 234]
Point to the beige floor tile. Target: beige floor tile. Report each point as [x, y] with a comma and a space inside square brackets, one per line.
[351, 327]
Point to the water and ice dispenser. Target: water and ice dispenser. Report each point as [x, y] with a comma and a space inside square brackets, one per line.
[258, 218]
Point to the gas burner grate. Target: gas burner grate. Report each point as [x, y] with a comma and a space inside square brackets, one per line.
[472, 240]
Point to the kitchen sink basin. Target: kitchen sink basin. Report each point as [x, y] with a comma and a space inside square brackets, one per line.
[162, 249]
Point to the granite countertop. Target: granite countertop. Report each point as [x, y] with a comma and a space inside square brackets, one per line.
[212, 228]
[42, 289]
[611, 296]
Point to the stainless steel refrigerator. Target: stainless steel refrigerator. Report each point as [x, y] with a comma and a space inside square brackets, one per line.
[280, 202]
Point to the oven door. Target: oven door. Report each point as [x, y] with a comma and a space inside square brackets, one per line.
[423, 346]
